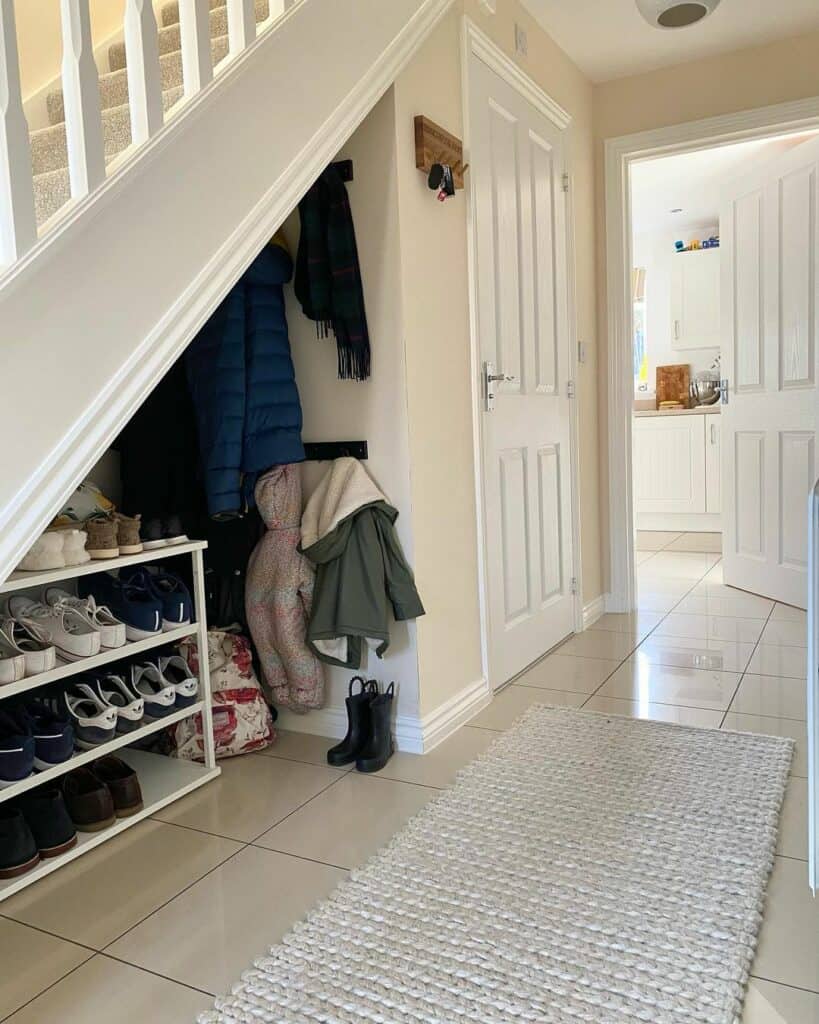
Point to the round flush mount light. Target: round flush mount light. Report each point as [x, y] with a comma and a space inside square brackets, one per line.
[675, 13]
[676, 209]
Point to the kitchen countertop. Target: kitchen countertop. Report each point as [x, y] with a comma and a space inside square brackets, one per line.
[701, 410]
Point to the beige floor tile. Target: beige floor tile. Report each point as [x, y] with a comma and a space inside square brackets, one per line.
[439, 767]
[656, 601]
[666, 684]
[642, 556]
[711, 627]
[639, 623]
[769, 1003]
[30, 961]
[349, 823]
[685, 565]
[301, 746]
[714, 575]
[775, 696]
[250, 795]
[99, 896]
[787, 613]
[655, 712]
[688, 652]
[510, 703]
[776, 660]
[599, 643]
[212, 932]
[700, 601]
[710, 543]
[655, 540]
[662, 586]
[788, 949]
[563, 672]
[775, 727]
[788, 634]
[104, 990]
[793, 824]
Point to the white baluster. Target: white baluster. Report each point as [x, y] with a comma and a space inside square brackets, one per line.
[194, 25]
[18, 226]
[81, 99]
[142, 63]
[241, 24]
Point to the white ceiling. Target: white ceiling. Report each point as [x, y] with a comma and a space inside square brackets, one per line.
[609, 38]
[694, 181]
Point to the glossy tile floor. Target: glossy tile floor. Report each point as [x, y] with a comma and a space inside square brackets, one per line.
[153, 923]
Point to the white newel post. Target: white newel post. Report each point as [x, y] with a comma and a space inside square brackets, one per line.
[18, 225]
[194, 26]
[81, 99]
[142, 64]
[241, 24]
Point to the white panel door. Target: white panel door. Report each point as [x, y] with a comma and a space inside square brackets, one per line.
[770, 251]
[516, 165]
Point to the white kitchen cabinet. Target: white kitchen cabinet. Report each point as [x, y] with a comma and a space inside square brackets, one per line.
[676, 471]
[695, 316]
[713, 466]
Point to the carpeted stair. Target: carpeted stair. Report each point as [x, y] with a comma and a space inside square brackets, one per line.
[48, 145]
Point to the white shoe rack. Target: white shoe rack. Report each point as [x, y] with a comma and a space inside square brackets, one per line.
[162, 779]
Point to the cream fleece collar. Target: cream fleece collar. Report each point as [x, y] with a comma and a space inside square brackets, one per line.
[344, 489]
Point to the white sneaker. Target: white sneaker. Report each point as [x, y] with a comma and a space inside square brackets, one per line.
[130, 708]
[159, 695]
[112, 630]
[175, 669]
[69, 631]
[31, 641]
[12, 660]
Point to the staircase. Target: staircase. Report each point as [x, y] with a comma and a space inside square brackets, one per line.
[49, 150]
[97, 304]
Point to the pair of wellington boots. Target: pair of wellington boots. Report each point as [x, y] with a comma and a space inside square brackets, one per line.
[369, 728]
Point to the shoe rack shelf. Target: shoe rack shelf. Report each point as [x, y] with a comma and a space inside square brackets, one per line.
[162, 779]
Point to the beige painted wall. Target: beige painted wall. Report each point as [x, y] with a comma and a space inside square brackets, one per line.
[436, 322]
[743, 80]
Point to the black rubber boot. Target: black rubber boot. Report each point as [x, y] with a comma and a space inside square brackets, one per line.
[358, 723]
[379, 748]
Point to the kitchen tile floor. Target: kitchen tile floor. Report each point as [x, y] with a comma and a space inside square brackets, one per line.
[173, 910]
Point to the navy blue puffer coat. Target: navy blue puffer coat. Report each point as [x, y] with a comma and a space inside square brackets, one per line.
[243, 386]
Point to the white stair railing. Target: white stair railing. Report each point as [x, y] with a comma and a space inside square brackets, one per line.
[81, 100]
[19, 196]
[197, 67]
[18, 225]
[142, 65]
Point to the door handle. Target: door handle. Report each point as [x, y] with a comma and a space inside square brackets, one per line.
[713, 433]
[490, 379]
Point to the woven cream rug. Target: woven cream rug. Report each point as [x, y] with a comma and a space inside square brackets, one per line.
[587, 868]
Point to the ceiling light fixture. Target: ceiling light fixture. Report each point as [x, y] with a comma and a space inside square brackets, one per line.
[675, 13]
[677, 209]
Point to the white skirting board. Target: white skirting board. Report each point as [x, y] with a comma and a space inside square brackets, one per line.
[593, 610]
[413, 734]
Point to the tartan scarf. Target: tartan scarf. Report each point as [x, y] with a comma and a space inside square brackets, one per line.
[328, 277]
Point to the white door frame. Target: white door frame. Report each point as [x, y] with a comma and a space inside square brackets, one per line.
[477, 43]
[620, 154]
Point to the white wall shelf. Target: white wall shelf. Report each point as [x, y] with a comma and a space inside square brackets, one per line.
[162, 779]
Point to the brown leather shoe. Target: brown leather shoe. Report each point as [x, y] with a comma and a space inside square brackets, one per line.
[122, 781]
[89, 801]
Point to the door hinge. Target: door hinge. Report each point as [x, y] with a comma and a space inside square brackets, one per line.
[570, 389]
[573, 584]
[564, 181]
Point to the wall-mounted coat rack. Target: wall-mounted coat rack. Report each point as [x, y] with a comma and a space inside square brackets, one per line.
[325, 451]
[435, 145]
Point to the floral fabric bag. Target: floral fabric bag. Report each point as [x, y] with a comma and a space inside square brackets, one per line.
[241, 718]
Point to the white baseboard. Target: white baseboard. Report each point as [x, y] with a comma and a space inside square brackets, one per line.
[413, 734]
[593, 610]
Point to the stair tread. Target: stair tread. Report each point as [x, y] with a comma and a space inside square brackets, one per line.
[169, 35]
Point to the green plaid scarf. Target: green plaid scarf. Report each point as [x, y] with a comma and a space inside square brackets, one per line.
[328, 276]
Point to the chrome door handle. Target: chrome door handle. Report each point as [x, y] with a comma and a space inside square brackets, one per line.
[490, 378]
[499, 376]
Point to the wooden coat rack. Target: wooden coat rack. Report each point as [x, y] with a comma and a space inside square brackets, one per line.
[435, 145]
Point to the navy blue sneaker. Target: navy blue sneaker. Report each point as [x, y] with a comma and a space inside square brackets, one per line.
[129, 602]
[16, 751]
[177, 607]
[94, 720]
[53, 733]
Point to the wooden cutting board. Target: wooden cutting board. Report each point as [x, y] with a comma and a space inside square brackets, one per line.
[673, 384]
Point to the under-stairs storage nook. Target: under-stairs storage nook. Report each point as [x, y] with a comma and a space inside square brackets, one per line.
[162, 779]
